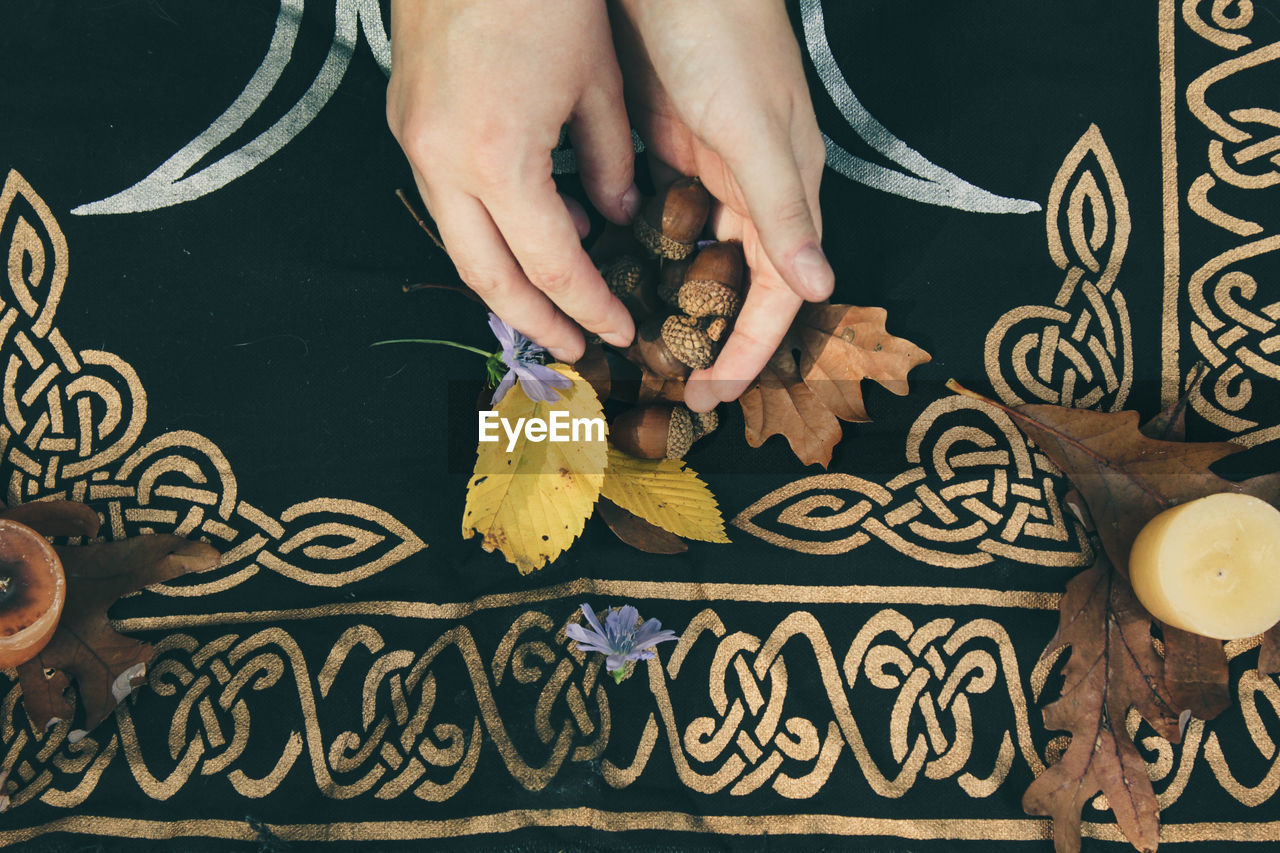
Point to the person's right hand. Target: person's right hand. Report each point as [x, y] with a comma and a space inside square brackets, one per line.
[479, 92]
[717, 89]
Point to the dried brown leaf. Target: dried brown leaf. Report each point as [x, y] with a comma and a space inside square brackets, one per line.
[104, 664]
[804, 401]
[840, 345]
[638, 533]
[1113, 666]
[1269, 653]
[1195, 671]
[780, 403]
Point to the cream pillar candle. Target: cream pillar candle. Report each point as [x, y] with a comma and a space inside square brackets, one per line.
[1211, 566]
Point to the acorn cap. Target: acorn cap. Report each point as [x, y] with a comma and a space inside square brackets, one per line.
[708, 299]
[704, 423]
[688, 341]
[632, 279]
[670, 280]
[623, 275]
[717, 328]
[670, 223]
[679, 432]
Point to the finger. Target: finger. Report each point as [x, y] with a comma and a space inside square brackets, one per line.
[766, 316]
[601, 136]
[540, 234]
[581, 221]
[779, 206]
[485, 263]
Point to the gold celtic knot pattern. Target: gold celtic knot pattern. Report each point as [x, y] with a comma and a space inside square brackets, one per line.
[932, 674]
[769, 712]
[72, 426]
[1079, 351]
[976, 491]
[1235, 311]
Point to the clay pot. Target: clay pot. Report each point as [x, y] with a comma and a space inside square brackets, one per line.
[33, 590]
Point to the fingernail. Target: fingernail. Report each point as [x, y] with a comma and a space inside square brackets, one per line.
[814, 273]
[631, 202]
[618, 339]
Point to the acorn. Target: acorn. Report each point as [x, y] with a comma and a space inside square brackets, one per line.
[704, 423]
[633, 280]
[658, 431]
[712, 284]
[688, 341]
[670, 280]
[33, 590]
[651, 349]
[670, 223]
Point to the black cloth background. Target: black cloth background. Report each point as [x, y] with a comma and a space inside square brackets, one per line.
[247, 314]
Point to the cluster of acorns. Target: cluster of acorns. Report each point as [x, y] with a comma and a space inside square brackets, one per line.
[684, 295]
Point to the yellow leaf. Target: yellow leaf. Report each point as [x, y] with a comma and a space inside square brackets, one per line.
[531, 502]
[665, 493]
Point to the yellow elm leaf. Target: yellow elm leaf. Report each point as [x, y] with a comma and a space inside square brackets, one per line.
[531, 502]
[665, 493]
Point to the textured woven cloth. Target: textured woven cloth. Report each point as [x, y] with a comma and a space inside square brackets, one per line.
[1062, 202]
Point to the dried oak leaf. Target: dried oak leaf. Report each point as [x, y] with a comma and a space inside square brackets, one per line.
[105, 665]
[805, 400]
[1113, 666]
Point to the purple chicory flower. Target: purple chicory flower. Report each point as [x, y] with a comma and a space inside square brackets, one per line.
[622, 639]
[520, 356]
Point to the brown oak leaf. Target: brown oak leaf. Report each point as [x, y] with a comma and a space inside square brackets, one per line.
[780, 403]
[805, 400]
[1113, 666]
[105, 665]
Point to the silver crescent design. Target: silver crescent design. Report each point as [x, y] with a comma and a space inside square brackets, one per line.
[170, 183]
[923, 181]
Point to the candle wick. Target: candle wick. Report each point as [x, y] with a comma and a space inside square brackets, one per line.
[5, 581]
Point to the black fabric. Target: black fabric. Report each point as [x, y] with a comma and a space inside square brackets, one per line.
[247, 314]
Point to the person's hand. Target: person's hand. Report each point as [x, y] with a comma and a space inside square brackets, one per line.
[717, 89]
[479, 92]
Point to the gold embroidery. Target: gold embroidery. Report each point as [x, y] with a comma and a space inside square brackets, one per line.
[1079, 351]
[69, 417]
[1234, 323]
[993, 497]
[991, 489]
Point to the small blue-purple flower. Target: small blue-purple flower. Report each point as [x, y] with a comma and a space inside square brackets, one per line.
[622, 639]
[521, 357]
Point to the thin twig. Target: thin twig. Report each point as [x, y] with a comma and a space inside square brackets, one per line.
[457, 288]
[417, 217]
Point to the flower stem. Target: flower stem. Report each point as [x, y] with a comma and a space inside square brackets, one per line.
[454, 344]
